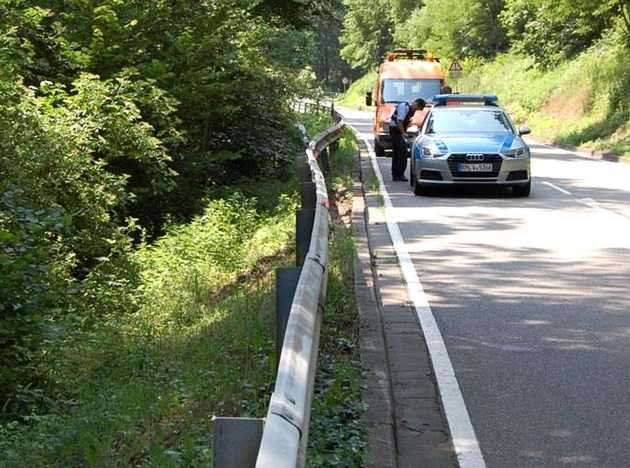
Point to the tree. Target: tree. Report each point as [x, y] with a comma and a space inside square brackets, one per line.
[367, 32]
[552, 30]
[466, 28]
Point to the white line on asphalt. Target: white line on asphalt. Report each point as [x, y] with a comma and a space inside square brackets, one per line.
[462, 432]
[559, 189]
[591, 204]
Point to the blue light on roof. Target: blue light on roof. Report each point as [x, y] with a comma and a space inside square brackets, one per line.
[454, 99]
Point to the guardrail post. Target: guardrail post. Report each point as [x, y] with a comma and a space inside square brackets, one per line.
[303, 170]
[236, 441]
[286, 284]
[323, 156]
[304, 220]
[308, 195]
[285, 434]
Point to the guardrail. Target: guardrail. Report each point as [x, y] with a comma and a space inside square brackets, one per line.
[280, 440]
[306, 106]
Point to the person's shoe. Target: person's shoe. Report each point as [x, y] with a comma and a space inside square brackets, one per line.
[402, 178]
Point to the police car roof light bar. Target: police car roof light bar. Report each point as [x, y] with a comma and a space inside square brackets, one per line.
[454, 99]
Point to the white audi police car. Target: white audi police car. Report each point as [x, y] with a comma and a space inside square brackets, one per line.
[468, 139]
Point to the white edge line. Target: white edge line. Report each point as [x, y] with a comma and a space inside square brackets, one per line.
[463, 435]
[559, 189]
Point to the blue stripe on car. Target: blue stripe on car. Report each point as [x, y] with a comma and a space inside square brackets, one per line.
[417, 152]
[507, 143]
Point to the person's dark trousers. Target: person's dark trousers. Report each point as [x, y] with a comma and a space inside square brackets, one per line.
[399, 160]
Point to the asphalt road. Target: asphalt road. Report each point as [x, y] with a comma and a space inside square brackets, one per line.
[532, 296]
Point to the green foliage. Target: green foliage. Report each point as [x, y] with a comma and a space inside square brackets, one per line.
[57, 217]
[581, 101]
[180, 331]
[355, 96]
[117, 117]
[551, 30]
[548, 30]
[521, 86]
[337, 436]
[316, 123]
[466, 28]
[367, 32]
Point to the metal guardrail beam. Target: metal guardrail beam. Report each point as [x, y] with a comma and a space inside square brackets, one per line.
[285, 435]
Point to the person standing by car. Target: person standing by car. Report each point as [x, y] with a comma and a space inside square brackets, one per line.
[401, 118]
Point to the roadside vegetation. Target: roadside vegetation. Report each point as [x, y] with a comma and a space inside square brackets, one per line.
[562, 66]
[136, 377]
[146, 194]
[582, 101]
[355, 95]
[183, 330]
[337, 437]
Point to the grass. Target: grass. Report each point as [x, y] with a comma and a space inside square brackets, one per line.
[583, 101]
[316, 123]
[355, 95]
[138, 387]
[184, 330]
[337, 437]
[340, 181]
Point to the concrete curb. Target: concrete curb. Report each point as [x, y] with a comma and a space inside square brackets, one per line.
[375, 388]
[405, 422]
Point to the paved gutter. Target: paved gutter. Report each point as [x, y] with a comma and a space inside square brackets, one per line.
[405, 422]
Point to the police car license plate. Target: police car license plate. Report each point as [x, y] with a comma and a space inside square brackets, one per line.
[483, 167]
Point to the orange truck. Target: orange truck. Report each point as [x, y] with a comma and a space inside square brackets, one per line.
[406, 74]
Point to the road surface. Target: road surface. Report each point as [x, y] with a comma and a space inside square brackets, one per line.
[532, 298]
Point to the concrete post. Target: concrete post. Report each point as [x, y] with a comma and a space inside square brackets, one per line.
[309, 196]
[304, 220]
[236, 441]
[286, 284]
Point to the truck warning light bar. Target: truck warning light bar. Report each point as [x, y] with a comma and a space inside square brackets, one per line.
[411, 54]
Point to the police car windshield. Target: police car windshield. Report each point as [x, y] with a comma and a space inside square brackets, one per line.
[405, 90]
[469, 121]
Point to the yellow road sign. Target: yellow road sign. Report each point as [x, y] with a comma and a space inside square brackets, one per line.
[456, 67]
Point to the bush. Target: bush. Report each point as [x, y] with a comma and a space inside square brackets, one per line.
[63, 207]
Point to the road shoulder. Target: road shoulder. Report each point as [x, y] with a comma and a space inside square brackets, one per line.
[405, 422]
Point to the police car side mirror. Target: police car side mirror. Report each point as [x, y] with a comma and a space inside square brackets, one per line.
[368, 98]
[413, 131]
[524, 130]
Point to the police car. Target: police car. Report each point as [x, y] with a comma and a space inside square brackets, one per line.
[468, 139]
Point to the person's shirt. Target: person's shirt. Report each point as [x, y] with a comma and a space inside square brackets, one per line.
[400, 114]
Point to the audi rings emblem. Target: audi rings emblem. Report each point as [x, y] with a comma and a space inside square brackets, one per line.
[475, 157]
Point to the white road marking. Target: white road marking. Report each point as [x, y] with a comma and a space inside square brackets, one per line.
[499, 346]
[465, 441]
[559, 189]
[591, 203]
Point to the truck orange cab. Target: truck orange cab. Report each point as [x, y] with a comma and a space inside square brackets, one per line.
[406, 74]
